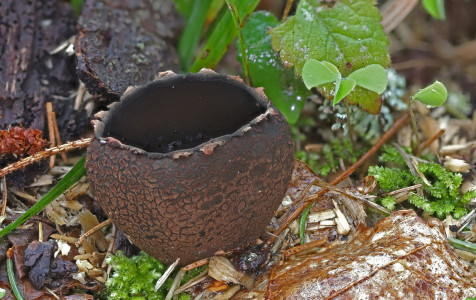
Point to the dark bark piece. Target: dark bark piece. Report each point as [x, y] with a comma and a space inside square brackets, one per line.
[38, 256]
[29, 75]
[124, 43]
[123, 244]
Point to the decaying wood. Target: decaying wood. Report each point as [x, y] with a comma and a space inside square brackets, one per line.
[29, 74]
[124, 43]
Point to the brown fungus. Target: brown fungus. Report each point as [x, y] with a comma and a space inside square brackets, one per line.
[190, 164]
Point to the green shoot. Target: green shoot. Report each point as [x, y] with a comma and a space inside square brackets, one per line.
[433, 95]
[302, 222]
[436, 8]
[317, 73]
[66, 182]
[459, 244]
[236, 20]
[221, 36]
[11, 276]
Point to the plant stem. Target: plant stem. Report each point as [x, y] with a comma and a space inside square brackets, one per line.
[11, 275]
[459, 244]
[302, 223]
[349, 125]
[415, 129]
[236, 19]
[289, 3]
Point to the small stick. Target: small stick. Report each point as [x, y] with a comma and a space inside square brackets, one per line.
[196, 264]
[40, 232]
[383, 139]
[111, 245]
[79, 96]
[429, 141]
[51, 130]
[91, 231]
[287, 8]
[5, 196]
[406, 189]
[58, 137]
[44, 154]
[303, 247]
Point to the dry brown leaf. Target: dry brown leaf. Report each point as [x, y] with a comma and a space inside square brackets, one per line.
[402, 257]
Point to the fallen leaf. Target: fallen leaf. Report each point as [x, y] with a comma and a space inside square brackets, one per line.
[402, 257]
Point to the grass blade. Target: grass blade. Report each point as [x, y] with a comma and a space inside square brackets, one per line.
[11, 275]
[222, 36]
[193, 30]
[68, 180]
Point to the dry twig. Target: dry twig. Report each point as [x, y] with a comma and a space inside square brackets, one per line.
[57, 136]
[51, 130]
[44, 154]
[91, 231]
[196, 264]
[4, 196]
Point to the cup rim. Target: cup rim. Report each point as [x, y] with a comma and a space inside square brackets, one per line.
[102, 117]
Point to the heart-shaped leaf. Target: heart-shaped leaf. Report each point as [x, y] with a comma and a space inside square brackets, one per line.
[433, 95]
[345, 87]
[372, 77]
[316, 73]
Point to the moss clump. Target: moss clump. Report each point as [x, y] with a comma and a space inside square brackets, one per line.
[135, 277]
[441, 197]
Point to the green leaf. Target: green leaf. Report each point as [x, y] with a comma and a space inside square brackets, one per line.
[192, 32]
[223, 35]
[281, 86]
[66, 182]
[345, 33]
[316, 73]
[184, 7]
[345, 87]
[434, 94]
[436, 8]
[372, 77]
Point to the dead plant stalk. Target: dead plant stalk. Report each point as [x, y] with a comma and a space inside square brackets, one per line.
[44, 154]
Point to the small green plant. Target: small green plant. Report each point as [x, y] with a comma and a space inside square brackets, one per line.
[433, 95]
[372, 77]
[135, 278]
[441, 196]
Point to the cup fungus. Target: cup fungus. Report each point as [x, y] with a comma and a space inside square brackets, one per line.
[187, 165]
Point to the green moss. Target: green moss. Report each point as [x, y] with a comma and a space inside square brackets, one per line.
[391, 179]
[441, 197]
[135, 278]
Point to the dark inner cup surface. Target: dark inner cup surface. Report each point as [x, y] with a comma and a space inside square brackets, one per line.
[181, 113]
